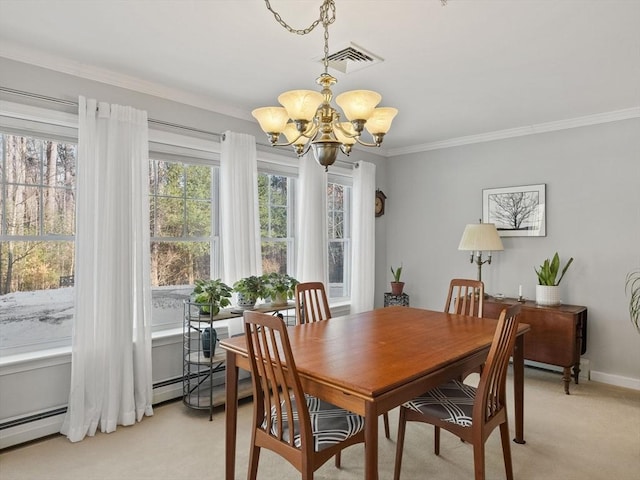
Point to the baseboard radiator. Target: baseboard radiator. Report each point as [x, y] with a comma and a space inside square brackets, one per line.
[31, 427]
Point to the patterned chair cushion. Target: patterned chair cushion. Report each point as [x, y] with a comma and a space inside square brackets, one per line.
[330, 424]
[450, 402]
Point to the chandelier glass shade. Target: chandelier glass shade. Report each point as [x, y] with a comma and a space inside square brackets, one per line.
[307, 119]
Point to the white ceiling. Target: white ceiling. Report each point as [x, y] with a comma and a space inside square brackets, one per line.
[469, 68]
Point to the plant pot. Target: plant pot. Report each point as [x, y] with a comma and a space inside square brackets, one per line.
[279, 299]
[396, 288]
[548, 295]
[246, 303]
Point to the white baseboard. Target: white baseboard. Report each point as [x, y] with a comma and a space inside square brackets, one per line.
[584, 368]
[31, 431]
[617, 380]
[170, 392]
[51, 425]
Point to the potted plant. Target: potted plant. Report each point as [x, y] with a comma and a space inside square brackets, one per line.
[547, 291]
[212, 294]
[249, 289]
[396, 285]
[279, 287]
[632, 287]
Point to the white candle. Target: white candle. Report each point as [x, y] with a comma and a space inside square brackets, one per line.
[520, 291]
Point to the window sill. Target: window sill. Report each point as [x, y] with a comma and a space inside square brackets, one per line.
[59, 356]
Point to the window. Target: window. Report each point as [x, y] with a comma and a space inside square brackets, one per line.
[184, 236]
[37, 228]
[275, 194]
[339, 223]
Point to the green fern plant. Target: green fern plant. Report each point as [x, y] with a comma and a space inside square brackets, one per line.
[549, 271]
[632, 287]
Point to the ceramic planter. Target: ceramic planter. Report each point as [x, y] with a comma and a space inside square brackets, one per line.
[548, 295]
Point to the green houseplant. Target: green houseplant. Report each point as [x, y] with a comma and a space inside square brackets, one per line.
[212, 294]
[249, 289]
[632, 287]
[278, 287]
[396, 285]
[547, 291]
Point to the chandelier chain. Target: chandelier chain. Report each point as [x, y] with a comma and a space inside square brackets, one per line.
[325, 18]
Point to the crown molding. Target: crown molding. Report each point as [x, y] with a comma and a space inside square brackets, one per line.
[78, 69]
[535, 129]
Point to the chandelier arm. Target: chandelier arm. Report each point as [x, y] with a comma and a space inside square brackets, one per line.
[365, 144]
[310, 133]
[336, 124]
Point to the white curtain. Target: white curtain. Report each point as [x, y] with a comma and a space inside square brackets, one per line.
[363, 238]
[239, 221]
[311, 235]
[111, 355]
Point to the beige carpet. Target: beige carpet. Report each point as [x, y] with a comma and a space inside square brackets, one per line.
[592, 434]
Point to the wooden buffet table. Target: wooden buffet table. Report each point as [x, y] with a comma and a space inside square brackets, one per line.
[374, 361]
[558, 335]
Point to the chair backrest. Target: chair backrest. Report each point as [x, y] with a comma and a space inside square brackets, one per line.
[275, 387]
[467, 296]
[491, 392]
[311, 303]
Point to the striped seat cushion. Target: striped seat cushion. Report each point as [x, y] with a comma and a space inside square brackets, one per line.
[450, 402]
[330, 424]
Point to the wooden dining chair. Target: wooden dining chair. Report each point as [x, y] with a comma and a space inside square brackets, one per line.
[466, 297]
[312, 306]
[320, 430]
[468, 412]
[311, 303]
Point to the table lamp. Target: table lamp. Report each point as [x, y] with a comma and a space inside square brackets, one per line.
[480, 237]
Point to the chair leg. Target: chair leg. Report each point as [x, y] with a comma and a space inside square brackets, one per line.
[402, 423]
[478, 460]
[436, 440]
[506, 449]
[254, 457]
[385, 418]
[338, 457]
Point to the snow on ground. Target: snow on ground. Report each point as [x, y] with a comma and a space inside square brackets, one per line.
[47, 315]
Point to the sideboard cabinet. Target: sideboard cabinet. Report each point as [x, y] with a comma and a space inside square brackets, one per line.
[558, 335]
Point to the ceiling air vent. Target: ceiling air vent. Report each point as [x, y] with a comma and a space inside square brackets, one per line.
[351, 58]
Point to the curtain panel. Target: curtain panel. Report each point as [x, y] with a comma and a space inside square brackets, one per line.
[239, 220]
[111, 342]
[311, 222]
[363, 236]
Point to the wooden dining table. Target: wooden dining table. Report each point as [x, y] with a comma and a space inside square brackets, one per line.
[374, 361]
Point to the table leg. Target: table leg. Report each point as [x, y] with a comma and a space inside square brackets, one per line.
[518, 387]
[231, 411]
[370, 443]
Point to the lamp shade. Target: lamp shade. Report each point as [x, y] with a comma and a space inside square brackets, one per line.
[301, 104]
[358, 104]
[380, 120]
[292, 133]
[271, 119]
[480, 237]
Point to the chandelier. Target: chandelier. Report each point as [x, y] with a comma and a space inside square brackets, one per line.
[308, 121]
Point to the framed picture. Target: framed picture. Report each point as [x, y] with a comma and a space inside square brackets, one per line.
[516, 211]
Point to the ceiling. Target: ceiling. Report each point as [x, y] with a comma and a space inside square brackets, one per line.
[467, 68]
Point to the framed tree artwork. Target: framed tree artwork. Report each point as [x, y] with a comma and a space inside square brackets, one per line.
[516, 211]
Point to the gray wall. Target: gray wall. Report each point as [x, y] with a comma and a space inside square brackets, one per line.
[592, 176]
